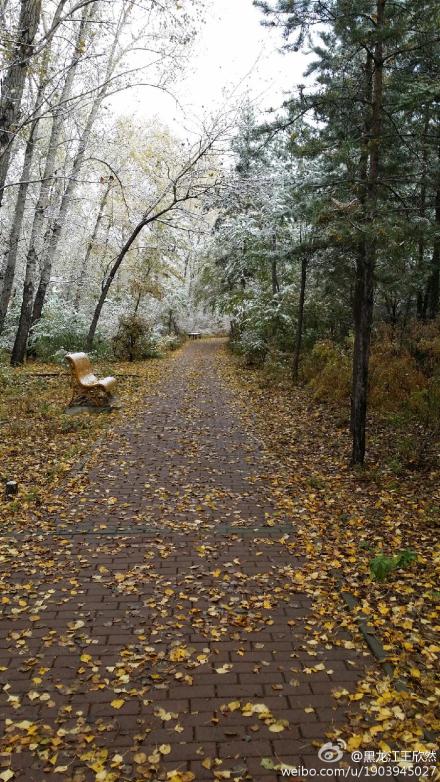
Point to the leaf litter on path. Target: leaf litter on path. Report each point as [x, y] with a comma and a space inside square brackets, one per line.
[125, 638]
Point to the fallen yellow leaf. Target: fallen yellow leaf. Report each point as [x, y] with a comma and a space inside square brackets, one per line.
[117, 703]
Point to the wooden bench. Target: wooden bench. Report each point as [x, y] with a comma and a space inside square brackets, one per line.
[195, 335]
[87, 389]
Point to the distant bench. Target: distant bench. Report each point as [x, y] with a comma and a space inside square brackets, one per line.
[195, 335]
[87, 389]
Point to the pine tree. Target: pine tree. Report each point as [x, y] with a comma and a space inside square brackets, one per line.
[366, 53]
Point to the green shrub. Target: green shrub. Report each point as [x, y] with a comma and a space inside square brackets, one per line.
[170, 342]
[252, 347]
[49, 347]
[381, 566]
[60, 330]
[262, 326]
[135, 339]
[102, 350]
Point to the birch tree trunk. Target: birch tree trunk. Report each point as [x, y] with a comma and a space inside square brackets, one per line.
[7, 273]
[13, 84]
[45, 280]
[58, 224]
[25, 322]
[3, 6]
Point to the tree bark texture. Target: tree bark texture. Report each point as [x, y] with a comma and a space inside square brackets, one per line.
[300, 324]
[36, 240]
[366, 260]
[14, 81]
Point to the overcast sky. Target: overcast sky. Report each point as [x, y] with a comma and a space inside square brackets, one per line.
[233, 56]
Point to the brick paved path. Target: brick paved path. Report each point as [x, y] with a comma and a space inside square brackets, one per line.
[144, 635]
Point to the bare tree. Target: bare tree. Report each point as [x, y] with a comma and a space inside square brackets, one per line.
[189, 183]
[57, 224]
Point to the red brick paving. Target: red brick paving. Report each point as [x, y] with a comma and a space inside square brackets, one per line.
[166, 547]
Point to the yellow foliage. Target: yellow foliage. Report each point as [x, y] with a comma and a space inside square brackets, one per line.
[402, 365]
[328, 371]
[394, 374]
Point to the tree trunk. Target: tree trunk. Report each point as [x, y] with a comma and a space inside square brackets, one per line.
[422, 301]
[3, 7]
[57, 226]
[172, 325]
[147, 220]
[275, 283]
[8, 272]
[27, 309]
[45, 272]
[13, 84]
[365, 265]
[433, 290]
[363, 317]
[47, 261]
[299, 329]
[15, 232]
[106, 285]
[137, 305]
[21, 337]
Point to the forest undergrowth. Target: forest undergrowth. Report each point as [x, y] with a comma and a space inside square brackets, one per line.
[370, 532]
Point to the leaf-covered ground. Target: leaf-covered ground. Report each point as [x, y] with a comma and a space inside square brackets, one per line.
[344, 519]
[40, 443]
[170, 606]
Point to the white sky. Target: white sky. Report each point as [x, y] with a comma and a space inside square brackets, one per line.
[233, 56]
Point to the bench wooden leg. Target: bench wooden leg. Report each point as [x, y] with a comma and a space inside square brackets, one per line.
[96, 398]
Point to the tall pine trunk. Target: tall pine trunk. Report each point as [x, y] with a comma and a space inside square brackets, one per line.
[433, 289]
[363, 318]
[274, 270]
[366, 259]
[300, 324]
[421, 300]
